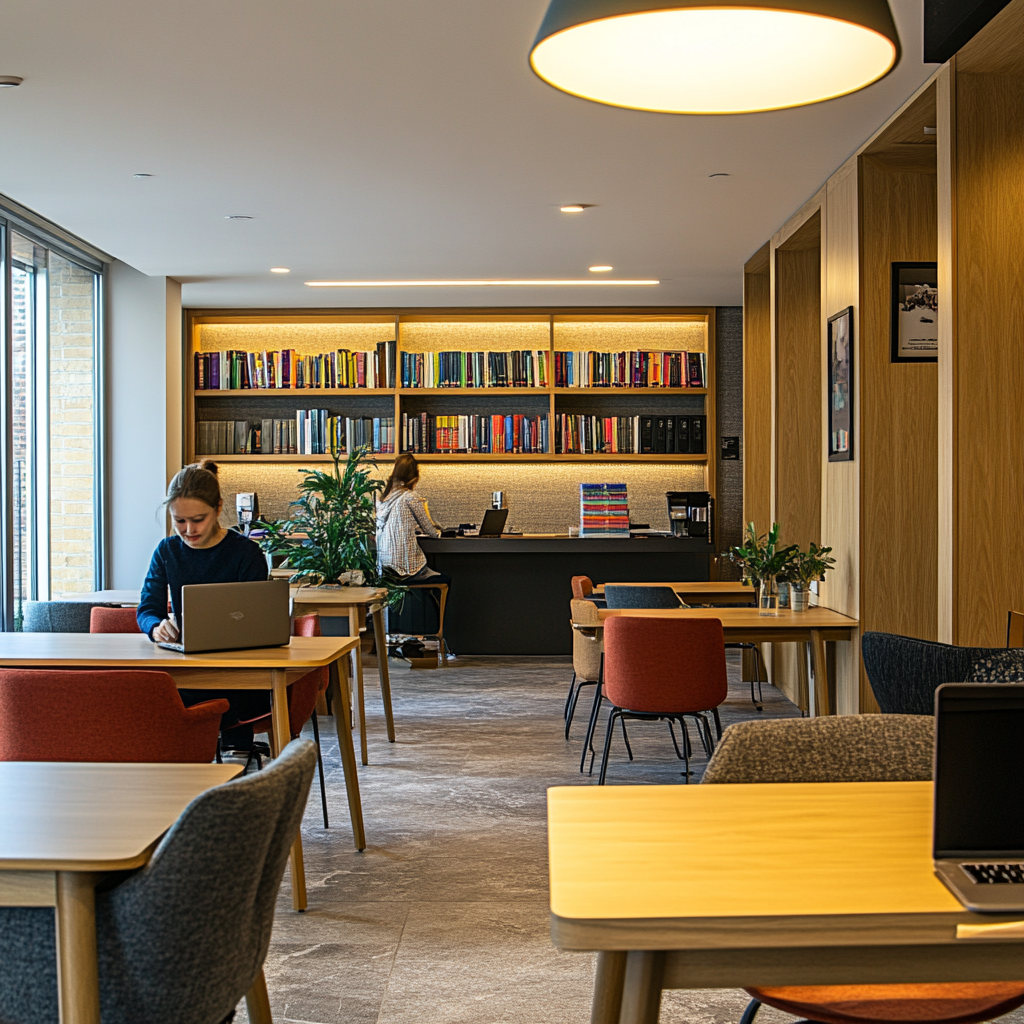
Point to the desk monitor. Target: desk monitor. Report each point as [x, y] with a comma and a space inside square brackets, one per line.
[494, 522]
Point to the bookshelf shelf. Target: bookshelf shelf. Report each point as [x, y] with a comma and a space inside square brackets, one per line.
[655, 332]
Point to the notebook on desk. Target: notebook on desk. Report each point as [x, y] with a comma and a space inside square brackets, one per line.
[978, 832]
[233, 617]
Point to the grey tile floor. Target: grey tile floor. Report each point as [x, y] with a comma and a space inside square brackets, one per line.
[444, 918]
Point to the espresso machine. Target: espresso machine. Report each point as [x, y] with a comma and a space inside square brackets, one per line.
[691, 514]
[247, 506]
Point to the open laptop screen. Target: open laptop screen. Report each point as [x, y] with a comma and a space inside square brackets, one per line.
[979, 771]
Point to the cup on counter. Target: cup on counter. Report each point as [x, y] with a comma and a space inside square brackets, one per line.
[574, 531]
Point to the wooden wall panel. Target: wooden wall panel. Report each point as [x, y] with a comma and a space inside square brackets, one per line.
[899, 415]
[989, 376]
[798, 385]
[757, 391]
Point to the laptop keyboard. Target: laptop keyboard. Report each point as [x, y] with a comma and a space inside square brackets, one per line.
[996, 874]
[168, 646]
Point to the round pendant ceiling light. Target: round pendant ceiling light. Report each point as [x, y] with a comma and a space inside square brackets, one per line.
[689, 57]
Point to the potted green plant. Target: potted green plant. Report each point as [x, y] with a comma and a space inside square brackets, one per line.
[762, 559]
[329, 537]
[806, 567]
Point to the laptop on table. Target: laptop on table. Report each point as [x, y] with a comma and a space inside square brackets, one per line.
[233, 617]
[494, 522]
[978, 834]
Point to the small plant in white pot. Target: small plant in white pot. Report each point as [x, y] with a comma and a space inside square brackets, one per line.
[805, 568]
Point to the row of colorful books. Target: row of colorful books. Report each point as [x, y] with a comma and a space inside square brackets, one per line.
[234, 370]
[630, 435]
[520, 368]
[633, 369]
[310, 432]
[604, 510]
[496, 435]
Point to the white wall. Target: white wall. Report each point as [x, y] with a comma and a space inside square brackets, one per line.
[143, 355]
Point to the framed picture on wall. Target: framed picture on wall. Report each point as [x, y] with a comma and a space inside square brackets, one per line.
[840, 386]
[915, 307]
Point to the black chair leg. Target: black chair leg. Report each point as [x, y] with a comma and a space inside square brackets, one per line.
[591, 726]
[672, 733]
[687, 749]
[751, 1011]
[320, 768]
[625, 738]
[568, 699]
[220, 755]
[718, 722]
[615, 713]
[572, 706]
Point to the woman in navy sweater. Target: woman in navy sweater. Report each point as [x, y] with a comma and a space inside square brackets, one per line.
[202, 551]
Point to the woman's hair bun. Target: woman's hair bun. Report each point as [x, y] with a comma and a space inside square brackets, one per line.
[209, 466]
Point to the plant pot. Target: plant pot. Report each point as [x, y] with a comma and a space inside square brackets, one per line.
[800, 599]
[767, 599]
[784, 588]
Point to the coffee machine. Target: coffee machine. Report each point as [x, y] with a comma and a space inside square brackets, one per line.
[691, 514]
[247, 506]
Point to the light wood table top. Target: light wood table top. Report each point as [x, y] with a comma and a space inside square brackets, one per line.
[745, 618]
[337, 595]
[131, 650]
[123, 597]
[66, 816]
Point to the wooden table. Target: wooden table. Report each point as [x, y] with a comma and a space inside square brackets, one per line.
[352, 603]
[816, 626]
[757, 885]
[63, 826]
[267, 668]
[709, 592]
[127, 598]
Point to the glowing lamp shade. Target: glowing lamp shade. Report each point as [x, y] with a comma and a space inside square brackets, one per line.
[692, 58]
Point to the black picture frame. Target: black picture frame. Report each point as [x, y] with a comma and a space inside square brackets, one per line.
[914, 285]
[840, 386]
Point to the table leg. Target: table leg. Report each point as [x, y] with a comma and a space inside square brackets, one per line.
[78, 980]
[641, 990]
[282, 737]
[611, 973]
[381, 640]
[257, 1001]
[820, 668]
[348, 762]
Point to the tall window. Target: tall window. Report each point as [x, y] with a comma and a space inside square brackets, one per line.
[53, 535]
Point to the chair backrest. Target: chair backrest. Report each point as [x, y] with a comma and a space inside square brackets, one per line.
[303, 693]
[586, 651]
[641, 597]
[113, 620]
[845, 748]
[57, 616]
[183, 939]
[1015, 629]
[581, 587]
[83, 715]
[663, 665]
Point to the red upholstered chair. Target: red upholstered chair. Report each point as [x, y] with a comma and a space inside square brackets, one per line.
[582, 587]
[664, 669]
[942, 1003]
[113, 620]
[302, 698]
[81, 715]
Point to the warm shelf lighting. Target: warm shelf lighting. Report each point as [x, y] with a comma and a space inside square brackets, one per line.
[686, 57]
[600, 270]
[473, 284]
[280, 270]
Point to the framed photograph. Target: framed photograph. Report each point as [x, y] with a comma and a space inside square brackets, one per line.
[915, 307]
[840, 386]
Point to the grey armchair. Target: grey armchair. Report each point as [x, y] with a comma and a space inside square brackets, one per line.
[183, 939]
[58, 616]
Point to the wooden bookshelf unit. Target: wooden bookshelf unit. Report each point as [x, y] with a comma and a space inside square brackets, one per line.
[424, 332]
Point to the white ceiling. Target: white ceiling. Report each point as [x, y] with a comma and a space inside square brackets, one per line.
[377, 139]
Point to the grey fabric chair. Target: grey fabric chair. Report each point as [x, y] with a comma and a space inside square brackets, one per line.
[183, 939]
[58, 616]
[847, 748]
[904, 672]
[642, 597]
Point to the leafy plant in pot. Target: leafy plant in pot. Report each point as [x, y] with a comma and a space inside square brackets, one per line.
[806, 567]
[329, 536]
[762, 559]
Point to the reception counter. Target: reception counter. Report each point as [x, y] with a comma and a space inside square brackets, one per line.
[510, 595]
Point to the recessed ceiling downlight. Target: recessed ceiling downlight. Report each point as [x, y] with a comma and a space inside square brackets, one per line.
[686, 57]
[10, 81]
[573, 208]
[602, 269]
[280, 270]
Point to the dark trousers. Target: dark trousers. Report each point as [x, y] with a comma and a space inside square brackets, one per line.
[235, 724]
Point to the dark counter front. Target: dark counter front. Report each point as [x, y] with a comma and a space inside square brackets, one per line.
[510, 595]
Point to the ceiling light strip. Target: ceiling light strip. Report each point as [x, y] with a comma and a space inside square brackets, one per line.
[588, 282]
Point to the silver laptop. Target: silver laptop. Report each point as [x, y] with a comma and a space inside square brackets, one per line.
[233, 617]
[978, 835]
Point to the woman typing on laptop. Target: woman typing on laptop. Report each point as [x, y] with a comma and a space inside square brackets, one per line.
[202, 551]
